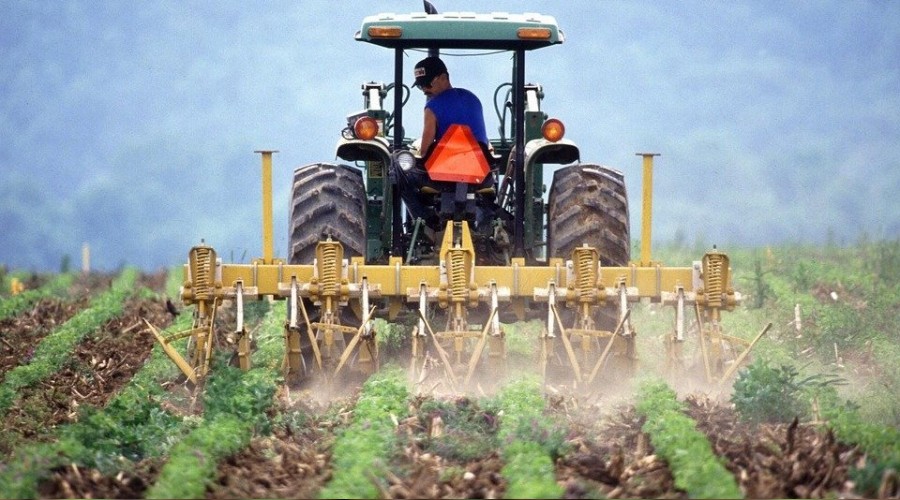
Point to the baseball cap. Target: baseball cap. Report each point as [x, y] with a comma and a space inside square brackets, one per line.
[427, 69]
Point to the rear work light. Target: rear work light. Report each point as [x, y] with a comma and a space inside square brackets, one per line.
[553, 130]
[365, 128]
[385, 31]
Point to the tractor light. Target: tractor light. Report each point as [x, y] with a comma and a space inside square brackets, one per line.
[533, 33]
[365, 128]
[553, 130]
[385, 31]
[405, 160]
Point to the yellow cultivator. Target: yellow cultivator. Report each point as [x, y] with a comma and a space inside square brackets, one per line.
[501, 250]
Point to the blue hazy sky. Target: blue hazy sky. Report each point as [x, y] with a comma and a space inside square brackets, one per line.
[132, 125]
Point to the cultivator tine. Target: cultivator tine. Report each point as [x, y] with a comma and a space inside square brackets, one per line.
[355, 340]
[293, 355]
[242, 335]
[445, 359]
[417, 364]
[479, 348]
[746, 352]
[310, 332]
[567, 343]
[622, 322]
[175, 356]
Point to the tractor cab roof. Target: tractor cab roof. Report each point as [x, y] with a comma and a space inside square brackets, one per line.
[461, 30]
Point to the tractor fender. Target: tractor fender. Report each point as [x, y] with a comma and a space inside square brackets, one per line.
[562, 152]
[352, 150]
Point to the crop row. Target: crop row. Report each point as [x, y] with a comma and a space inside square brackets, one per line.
[674, 435]
[56, 347]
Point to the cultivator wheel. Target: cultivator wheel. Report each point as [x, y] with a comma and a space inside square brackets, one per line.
[327, 225]
[588, 208]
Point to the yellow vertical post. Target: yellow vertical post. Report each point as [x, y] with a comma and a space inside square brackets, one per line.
[268, 246]
[647, 209]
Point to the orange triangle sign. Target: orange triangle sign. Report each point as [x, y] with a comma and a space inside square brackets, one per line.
[458, 157]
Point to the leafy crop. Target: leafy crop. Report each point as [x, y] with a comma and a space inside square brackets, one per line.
[878, 441]
[361, 450]
[10, 306]
[235, 407]
[529, 440]
[675, 438]
[132, 426]
[469, 431]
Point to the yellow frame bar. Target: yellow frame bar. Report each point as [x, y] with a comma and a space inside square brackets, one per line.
[395, 279]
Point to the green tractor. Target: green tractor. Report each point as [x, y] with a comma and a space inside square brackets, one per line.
[358, 203]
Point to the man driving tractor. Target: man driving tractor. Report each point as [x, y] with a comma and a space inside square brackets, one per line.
[445, 105]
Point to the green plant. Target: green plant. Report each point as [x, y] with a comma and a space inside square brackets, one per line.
[392, 338]
[763, 393]
[529, 440]
[363, 448]
[675, 438]
[236, 406]
[878, 441]
[131, 426]
[760, 286]
[10, 306]
[53, 351]
[469, 431]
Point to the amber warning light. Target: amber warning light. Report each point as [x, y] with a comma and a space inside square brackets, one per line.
[553, 130]
[365, 128]
[385, 32]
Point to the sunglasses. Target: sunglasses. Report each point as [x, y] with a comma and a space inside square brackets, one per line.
[426, 86]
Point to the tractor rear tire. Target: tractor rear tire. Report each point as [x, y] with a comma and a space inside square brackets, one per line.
[327, 200]
[588, 204]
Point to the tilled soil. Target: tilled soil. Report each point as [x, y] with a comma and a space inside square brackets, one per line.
[20, 334]
[608, 458]
[777, 460]
[76, 481]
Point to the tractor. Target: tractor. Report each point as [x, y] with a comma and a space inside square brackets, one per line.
[502, 251]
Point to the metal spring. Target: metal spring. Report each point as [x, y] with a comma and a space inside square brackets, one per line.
[458, 284]
[202, 273]
[585, 273]
[329, 282]
[713, 281]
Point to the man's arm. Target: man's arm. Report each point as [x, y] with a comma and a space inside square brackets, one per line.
[429, 129]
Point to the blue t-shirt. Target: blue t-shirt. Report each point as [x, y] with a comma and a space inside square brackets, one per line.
[459, 106]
